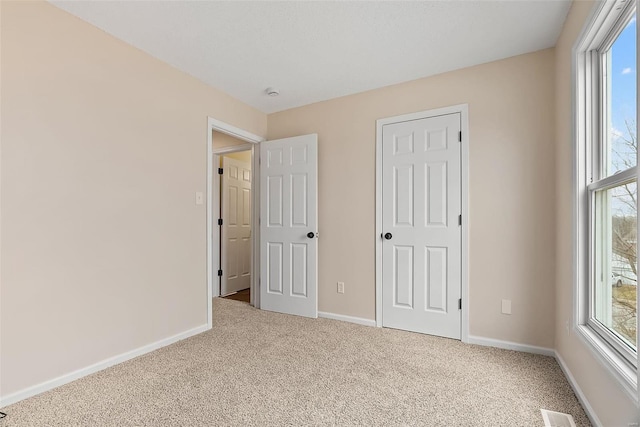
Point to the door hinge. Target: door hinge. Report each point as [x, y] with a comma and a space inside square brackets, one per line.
[220, 221]
[460, 136]
[220, 171]
[219, 272]
[460, 304]
[460, 220]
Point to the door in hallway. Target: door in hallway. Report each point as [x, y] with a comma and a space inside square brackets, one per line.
[236, 226]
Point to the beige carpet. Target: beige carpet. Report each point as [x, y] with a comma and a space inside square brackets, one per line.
[266, 369]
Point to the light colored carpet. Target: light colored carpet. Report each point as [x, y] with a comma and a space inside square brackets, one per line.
[266, 369]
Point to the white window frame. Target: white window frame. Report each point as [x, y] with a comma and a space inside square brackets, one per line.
[602, 29]
[600, 186]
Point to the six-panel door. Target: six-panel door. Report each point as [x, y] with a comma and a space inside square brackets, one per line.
[421, 193]
[236, 226]
[288, 225]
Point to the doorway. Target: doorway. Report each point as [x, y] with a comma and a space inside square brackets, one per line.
[421, 222]
[223, 139]
[287, 204]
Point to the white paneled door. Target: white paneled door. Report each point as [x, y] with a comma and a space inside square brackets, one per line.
[421, 204]
[236, 226]
[289, 225]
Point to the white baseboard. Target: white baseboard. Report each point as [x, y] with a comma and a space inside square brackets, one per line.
[350, 319]
[509, 345]
[576, 389]
[83, 372]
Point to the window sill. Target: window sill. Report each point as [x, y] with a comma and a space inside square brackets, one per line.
[618, 367]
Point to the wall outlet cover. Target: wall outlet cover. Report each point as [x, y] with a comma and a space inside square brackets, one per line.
[506, 306]
[199, 198]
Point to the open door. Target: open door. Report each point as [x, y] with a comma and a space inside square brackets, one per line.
[289, 225]
[235, 236]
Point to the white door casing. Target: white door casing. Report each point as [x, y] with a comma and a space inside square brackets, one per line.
[288, 214]
[236, 226]
[421, 204]
[212, 205]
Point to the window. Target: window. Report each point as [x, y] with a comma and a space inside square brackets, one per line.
[606, 184]
[613, 193]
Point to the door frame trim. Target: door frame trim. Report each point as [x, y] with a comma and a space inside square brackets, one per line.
[463, 110]
[213, 201]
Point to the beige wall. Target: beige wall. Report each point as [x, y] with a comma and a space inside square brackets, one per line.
[222, 140]
[103, 147]
[512, 190]
[611, 405]
[243, 156]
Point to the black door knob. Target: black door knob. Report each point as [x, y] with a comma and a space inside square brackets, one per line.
[388, 236]
[311, 235]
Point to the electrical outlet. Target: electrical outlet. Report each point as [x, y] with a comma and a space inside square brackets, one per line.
[341, 287]
[506, 306]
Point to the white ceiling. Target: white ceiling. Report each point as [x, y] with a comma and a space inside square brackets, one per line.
[313, 51]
